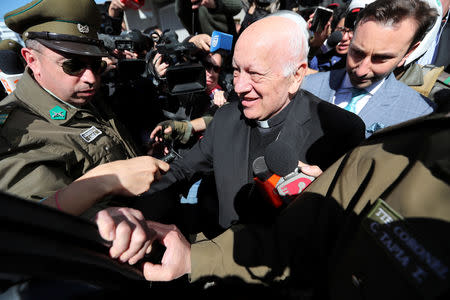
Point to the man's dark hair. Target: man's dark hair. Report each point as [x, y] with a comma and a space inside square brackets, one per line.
[395, 11]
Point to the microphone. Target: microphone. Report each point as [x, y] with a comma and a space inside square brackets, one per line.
[281, 159]
[266, 181]
[221, 40]
[331, 41]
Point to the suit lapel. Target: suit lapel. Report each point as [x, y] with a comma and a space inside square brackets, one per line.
[333, 84]
[294, 131]
[380, 103]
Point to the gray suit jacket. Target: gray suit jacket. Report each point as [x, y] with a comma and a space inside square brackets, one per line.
[393, 103]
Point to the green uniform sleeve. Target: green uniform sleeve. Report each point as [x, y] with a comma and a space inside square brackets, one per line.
[217, 258]
[32, 173]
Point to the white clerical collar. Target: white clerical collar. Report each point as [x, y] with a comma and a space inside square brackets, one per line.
[263, 124]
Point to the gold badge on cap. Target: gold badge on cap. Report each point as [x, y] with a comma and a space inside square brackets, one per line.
[83, 28]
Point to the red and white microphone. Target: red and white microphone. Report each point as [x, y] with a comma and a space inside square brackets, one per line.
[279, 175]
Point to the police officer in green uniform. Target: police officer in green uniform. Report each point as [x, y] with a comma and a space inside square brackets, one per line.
[55, 127]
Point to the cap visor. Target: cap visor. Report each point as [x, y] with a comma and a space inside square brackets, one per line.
[74, 47]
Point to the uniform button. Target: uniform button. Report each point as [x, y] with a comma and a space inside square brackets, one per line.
[106, 148]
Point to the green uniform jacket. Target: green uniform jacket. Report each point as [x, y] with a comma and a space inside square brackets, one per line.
[39, 155]
[345, 254]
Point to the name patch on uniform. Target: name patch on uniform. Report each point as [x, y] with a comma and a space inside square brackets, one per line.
[90, 134]
[425, 270]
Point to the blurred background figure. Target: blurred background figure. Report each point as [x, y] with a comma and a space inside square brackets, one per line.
[205, 16]
[332, 53]
[12, 66]
[422, 71]
[437, 51]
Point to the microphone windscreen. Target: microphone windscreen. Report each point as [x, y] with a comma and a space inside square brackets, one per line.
[334, 38]
[260, 168]
[10, 62]
[280, 158]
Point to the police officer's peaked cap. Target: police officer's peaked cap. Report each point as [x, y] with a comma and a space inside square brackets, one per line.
[10, 44]
[64, 25]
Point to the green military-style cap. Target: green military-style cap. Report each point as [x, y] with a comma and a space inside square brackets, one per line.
[10, 44]
[65, 25]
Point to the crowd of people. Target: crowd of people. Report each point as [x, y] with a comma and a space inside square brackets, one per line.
[157, 140]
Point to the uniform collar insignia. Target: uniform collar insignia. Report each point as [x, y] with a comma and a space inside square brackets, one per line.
[58, 113]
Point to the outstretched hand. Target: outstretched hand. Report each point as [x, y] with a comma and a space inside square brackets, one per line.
[177, 258]
[127, 230]
[132, 238]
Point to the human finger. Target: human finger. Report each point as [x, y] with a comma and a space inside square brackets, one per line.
[155, 131]
[122, 240]
[139, 242]
[311, 170]
[106, 225]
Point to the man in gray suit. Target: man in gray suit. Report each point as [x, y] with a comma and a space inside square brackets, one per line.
[386, 33]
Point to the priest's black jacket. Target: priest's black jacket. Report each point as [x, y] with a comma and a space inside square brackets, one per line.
[320, 133]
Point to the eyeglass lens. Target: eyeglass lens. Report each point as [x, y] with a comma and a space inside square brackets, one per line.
[208, 66]
[74, 66]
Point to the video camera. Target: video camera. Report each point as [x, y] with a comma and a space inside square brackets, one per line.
[127, 70]
[184, 74]
[132, 40]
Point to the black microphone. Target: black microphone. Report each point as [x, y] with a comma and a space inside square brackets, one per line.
[332, 41]
[282, 160]
[266, 181]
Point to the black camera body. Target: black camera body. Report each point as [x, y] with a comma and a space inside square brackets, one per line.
[132, 40]
[127, 70]
[184, 74]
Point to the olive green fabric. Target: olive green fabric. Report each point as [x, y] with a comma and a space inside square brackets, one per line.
[181, 131]
[423, 79]
[57, 16]
[12, 45]
[417, 154]
[63, 25]
[207, 119]
[39, 155]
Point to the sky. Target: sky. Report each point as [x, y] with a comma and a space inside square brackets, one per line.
[8, 5]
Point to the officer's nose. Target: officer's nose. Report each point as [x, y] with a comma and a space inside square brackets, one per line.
[89, 76]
